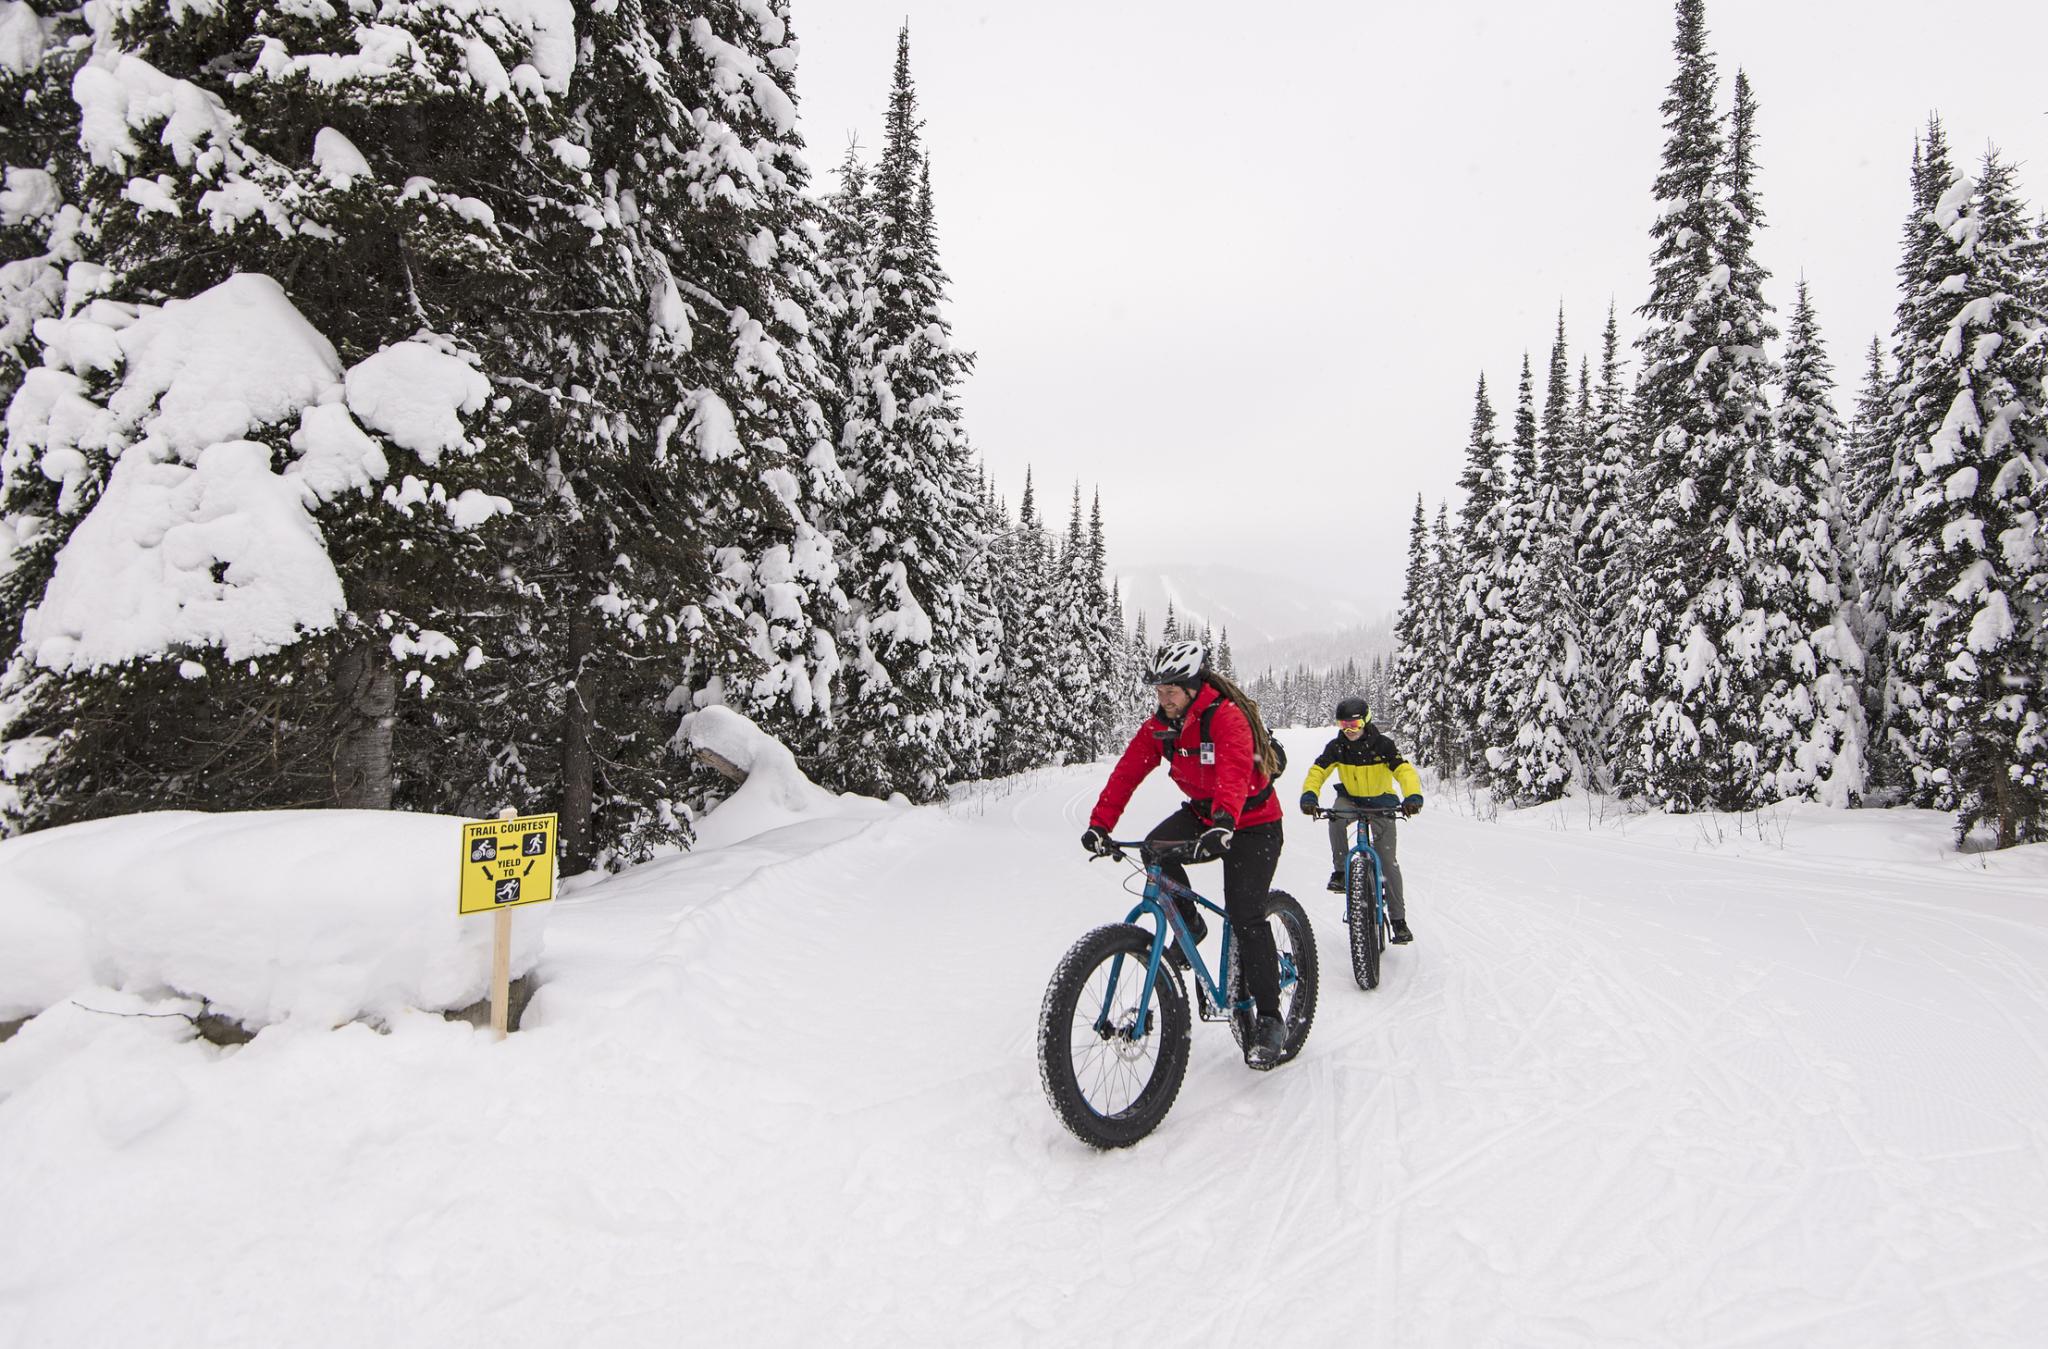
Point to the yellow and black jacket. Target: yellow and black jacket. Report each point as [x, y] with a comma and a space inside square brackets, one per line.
[1370, 771]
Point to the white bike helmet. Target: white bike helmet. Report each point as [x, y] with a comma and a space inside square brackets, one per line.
[1177, 663]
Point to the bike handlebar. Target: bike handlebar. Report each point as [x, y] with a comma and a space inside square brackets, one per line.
[1179, 851]
[1376, 813]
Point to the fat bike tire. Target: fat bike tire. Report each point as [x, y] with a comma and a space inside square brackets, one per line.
[1362, 919]
[1295, 940]
[1108, 1089]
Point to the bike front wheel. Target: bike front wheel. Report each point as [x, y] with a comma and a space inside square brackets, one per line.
[1362, 913]
[1108, 1084]
[1295, 944]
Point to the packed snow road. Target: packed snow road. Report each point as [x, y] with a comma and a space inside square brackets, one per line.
[1779, 1081]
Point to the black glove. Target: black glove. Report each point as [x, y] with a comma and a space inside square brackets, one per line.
[1412, 806]
[1096, 841]
[1213, 843]
[1309, 802]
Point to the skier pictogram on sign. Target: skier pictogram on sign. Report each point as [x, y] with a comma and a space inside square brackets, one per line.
[506, 863]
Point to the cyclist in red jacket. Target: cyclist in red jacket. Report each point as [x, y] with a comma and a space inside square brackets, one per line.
[1230, 813]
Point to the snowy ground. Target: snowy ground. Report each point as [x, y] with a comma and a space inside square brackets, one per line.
[1779, 1081]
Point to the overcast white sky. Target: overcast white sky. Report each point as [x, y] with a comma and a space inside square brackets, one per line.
[1241, 267]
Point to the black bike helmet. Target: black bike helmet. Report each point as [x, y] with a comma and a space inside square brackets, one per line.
[1353, 709]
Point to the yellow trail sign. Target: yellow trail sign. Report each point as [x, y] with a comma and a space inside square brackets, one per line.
[506, 863]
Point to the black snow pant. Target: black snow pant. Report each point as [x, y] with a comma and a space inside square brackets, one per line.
[1380, 833]
[1247, 879]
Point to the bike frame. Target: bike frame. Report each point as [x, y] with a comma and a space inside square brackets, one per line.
[1361, 842]
[1158, 891]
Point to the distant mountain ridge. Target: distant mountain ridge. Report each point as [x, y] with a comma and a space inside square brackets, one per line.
[1317, 650]
[1271, 620]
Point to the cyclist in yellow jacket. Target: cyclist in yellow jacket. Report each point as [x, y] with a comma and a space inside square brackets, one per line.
[1371, 774]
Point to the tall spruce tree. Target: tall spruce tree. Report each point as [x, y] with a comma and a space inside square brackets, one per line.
[1025, 699]
[1081, 643]
[685, 439]
[1810, 727]
[390, 227]
[1468, 637]
[1413, 670]
[1438, 736]
[1559, 443]
[1864, 524]
[1502, 580]
[1687, 712]
[916, 712]
[1546, 702]
[1967, 562]
[1607, 554]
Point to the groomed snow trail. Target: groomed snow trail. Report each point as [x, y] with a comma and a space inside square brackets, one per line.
[1645, 1082]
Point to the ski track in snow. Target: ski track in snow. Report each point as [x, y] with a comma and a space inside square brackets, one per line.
[784, 1093]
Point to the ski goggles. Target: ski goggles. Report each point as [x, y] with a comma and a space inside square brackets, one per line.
[1350, 723]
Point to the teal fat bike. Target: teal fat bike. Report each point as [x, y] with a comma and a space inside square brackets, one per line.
[1365, 894]
[1114, 1030]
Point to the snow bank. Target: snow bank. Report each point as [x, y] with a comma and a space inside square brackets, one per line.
[776, 791]
[328, 916]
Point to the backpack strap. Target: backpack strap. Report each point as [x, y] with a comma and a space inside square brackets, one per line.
[1257, 798]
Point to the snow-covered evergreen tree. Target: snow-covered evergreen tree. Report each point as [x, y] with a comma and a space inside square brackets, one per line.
[1862, 540]
[1810, 726]
[1025, 698]
[1687, 712]
[1408, 696]
[1559, 443]
[1538, 688]
[1468, 638]
[1437, 735]
[1548, 705]
[1503, 580]
[1120, 687]
[208, 163]
[1609, 523]
[692, 464]
[1082, 642]
[1968, 561]
[916, 713]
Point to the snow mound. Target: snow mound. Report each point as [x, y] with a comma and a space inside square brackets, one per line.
[323, 915]
[776, 792]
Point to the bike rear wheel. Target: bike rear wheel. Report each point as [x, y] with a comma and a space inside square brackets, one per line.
[1296, 944]
[1108, 1086]
[1362, 913]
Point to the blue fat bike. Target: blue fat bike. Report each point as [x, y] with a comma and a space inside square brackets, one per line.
[1365, 894]
[1113, 1031]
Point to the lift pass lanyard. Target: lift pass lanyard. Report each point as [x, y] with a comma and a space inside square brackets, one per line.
[1209, 752]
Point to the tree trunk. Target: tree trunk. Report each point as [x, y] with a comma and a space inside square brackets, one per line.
[366, 690]
[579, 764]
[2008, 812]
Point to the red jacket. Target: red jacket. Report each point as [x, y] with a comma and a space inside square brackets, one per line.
[1221, 787]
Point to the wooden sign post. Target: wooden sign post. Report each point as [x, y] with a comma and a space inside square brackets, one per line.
[506, 862]
[501, 971]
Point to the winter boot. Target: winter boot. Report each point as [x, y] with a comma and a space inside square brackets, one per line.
[1336, 885]
[1402, 936]
[1267, 1042]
